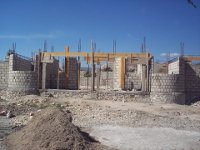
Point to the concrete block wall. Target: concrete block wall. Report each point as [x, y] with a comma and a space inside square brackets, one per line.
[98, 95]
[188, 75]
[73, 74]
[160, 68]
[116, 75]
[62, 80]
[4, 67]
[52, 68]
[133, 81]
[191, 78]
[104, 84]
[166, 83]
[176, 66]
[52, 74]
[192, 82]
[18, 63]
[106, 77]
[133, 76]
[24, 79]
[83, 80]
[168, 88]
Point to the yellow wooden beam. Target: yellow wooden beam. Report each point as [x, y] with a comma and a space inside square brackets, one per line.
[44, 54]
[79, 74]
[98, 59]
[122, 72]
[96, 54]
[113, 55]
[66, 67]
[191, 58]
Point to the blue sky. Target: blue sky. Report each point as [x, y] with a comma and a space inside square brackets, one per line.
[164, 23]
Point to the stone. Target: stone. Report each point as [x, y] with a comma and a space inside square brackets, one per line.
[3, 113]
[10, 114]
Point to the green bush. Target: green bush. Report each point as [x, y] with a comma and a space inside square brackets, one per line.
[89, 74]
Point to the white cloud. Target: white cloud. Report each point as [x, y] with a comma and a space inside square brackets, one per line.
[171, 54]
[31, 36]
[174, 54]
[163, 54]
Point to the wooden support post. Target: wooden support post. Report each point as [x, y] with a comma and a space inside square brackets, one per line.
[93, 69]
[44, 65]
[88, 70]
[131, 58]
[58, 76]
[39, 70]
[79, 75]
[122, 73]
[143, 76]
[152, 70]
[126, 86]
[66, 67]
[107, 73]
[99, 77]
[147, 78]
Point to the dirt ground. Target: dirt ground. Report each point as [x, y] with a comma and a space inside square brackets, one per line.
[119, 125]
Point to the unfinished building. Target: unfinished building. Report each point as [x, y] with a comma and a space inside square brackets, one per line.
[179, 82]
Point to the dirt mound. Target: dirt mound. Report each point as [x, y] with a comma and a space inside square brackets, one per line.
[50, 129]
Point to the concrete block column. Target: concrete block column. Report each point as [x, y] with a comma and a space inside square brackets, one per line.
[44, 66]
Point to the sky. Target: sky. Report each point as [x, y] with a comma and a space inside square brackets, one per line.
[164, 23]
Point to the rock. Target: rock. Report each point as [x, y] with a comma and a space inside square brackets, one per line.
[31, 114]
[10, 115]
[2, 98]
[3, 113]
[50, 95]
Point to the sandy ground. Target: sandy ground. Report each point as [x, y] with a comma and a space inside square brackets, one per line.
[128, 125]
[127, 138]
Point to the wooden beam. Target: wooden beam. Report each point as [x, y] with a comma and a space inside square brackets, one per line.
[191, 58]
[56, 54]
[93, 68]
[39, 70]
[98, 59]
[96, 54]
[122, 72]
[58, 76]
[79, 72]
[66, 68]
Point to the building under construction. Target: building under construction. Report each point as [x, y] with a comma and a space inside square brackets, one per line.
[111, 72]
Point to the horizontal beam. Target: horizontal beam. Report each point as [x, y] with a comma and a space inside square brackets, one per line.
[134, 60]
[55, 54]
[191, 58]
[113, 55]
[96, 59]
[104, 55]
[66, 54]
